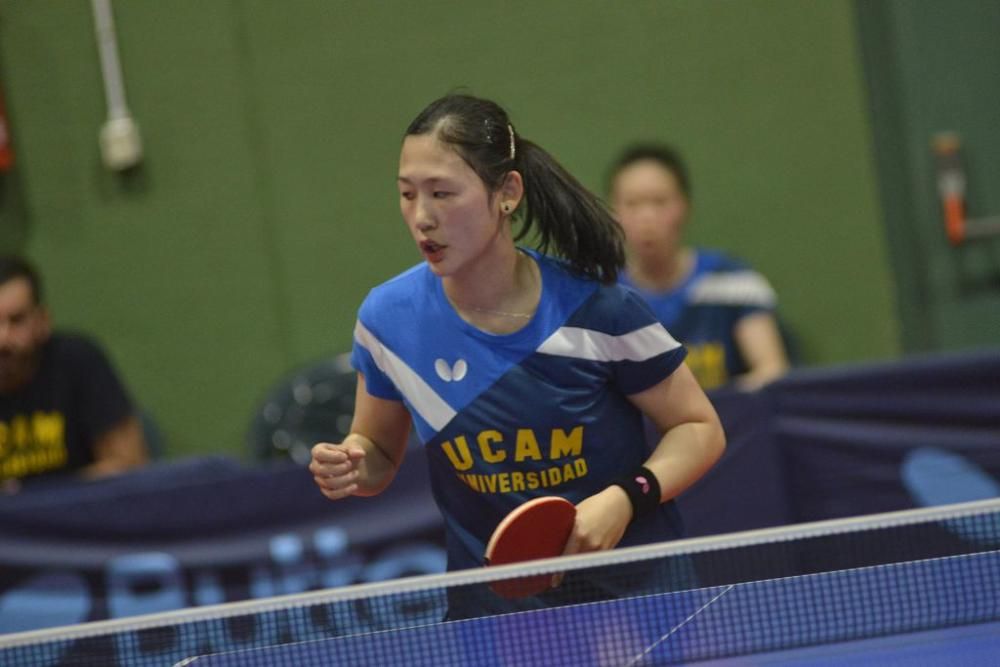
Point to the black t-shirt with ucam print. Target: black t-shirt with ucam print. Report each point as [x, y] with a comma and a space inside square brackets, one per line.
[50, 425]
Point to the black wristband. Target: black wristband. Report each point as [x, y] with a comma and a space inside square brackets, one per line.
[643, 490]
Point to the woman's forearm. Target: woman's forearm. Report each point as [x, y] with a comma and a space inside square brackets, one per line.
[684, 454]
[376, 470]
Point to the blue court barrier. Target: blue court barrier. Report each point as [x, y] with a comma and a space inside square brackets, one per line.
[819, 444]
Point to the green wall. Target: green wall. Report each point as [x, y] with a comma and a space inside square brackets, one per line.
[934, 67]
[265, 208]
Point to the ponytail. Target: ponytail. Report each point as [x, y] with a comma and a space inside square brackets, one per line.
[565, 216]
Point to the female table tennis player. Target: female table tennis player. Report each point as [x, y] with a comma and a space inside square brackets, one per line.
[722, 310]
[524, 374]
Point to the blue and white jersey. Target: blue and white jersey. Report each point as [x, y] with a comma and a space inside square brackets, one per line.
[507, 418]
[703, 311]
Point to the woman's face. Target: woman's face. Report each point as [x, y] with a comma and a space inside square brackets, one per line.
[447, 209]
[651, 208]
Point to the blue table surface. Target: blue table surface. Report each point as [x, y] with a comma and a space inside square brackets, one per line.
[961, 646]
[935, 612]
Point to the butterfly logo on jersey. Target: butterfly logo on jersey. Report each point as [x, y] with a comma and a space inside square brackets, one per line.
[455, 373]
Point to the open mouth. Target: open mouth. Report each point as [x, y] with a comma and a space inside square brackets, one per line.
[429, 247]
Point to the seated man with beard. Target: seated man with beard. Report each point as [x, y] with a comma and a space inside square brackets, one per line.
[62, 408]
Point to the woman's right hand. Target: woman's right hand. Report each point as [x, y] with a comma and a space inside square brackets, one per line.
[337, 468]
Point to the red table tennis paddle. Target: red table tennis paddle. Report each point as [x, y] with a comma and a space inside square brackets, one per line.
[539, 528]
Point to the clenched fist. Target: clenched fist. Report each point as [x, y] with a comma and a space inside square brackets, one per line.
[336, 468]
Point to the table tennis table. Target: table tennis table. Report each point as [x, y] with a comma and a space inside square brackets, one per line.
[914, 587]
[940, 611]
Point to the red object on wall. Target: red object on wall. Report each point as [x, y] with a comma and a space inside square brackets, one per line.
[6, 150]
[951, 184]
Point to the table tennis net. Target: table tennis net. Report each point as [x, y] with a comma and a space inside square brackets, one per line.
[681, 601]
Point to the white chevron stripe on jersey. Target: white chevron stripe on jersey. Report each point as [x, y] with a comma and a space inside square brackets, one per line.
[425, 402]
[638, 345]
[747, 288]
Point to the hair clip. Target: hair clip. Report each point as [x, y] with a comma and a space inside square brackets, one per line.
[510, 130]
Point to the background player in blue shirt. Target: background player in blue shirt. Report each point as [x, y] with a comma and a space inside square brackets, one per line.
[523, 375]
[718, 307]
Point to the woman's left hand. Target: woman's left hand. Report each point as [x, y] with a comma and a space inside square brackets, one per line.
[601, 521]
